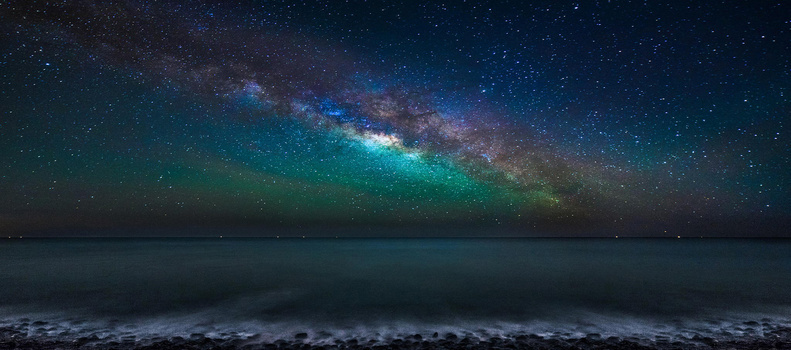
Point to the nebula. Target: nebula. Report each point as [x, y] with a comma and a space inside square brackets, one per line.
[273, 73]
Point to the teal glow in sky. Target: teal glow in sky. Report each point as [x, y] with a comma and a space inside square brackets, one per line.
[534, 119]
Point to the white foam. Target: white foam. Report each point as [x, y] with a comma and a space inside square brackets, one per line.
[720, 326]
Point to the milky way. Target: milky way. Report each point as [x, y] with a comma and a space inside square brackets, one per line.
[275, 115]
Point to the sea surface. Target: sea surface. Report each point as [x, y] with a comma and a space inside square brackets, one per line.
[243, 292]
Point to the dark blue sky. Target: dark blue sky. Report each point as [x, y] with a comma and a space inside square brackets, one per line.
[548, 118]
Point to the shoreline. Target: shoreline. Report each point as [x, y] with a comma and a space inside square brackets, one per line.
[16, 337]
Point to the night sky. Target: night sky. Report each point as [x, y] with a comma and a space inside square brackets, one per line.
[551, 118]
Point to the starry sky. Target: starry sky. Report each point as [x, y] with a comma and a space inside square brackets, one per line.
[516, 118]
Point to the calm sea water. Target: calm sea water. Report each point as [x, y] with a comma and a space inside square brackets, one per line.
[375, 287]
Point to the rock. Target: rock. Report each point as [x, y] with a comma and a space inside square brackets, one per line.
[495, 340]
[593, 336]
[301, 336]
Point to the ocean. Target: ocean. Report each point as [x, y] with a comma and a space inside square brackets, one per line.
[398, 293]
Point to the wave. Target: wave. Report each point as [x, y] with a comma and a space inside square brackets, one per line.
[586, 330]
